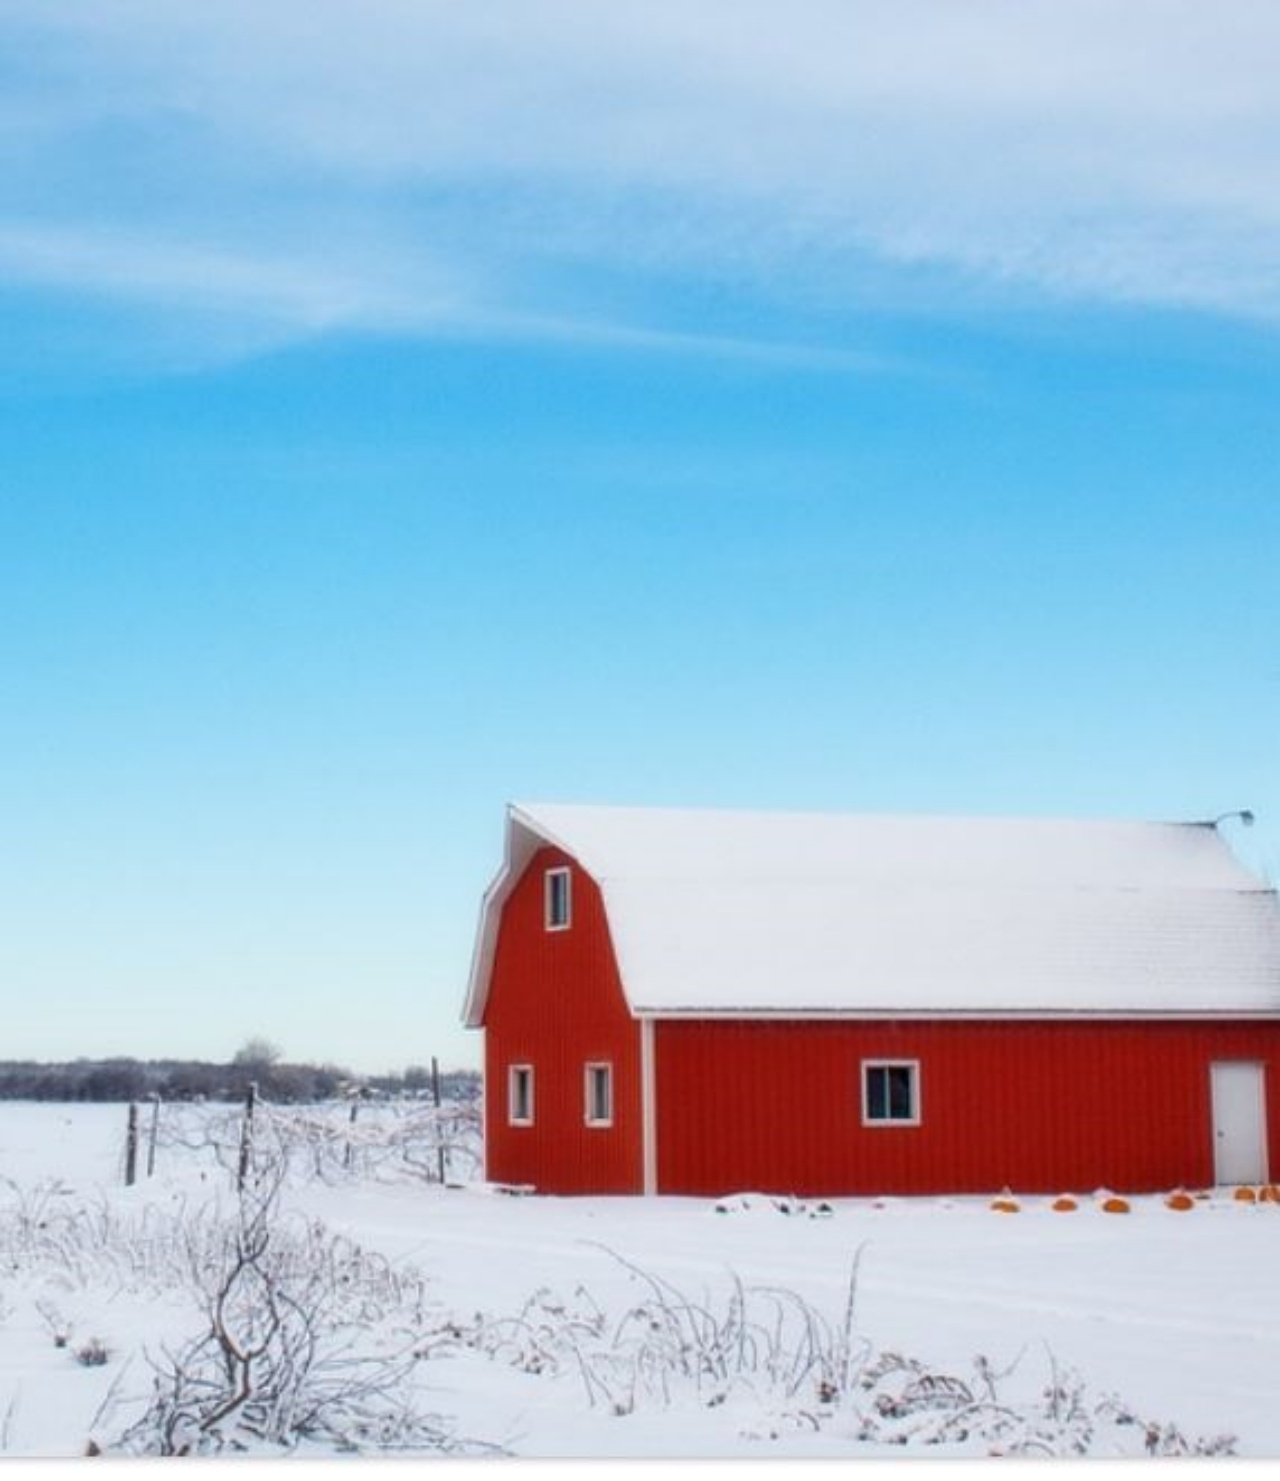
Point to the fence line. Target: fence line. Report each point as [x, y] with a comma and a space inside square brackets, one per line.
[435, 1141]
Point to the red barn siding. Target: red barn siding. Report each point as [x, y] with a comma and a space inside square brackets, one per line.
[1040, 1106]
[556, 1003]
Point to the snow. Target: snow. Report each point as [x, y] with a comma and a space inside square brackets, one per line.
[752, 912]
[1173, 1312]
[864, 849]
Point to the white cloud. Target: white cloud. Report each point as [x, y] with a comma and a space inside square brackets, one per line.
[1088, 148]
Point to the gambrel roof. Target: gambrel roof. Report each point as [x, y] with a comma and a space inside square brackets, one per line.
[810, 915]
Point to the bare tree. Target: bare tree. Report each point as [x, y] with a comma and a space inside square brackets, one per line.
[257, 1053]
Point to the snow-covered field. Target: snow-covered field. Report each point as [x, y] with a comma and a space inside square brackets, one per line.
[465, 1320]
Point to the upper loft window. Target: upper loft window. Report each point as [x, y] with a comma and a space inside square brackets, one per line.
[891, 1092]
[558, 899]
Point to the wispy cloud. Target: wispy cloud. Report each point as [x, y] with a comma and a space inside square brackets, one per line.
[429, 165]
[145, 266]
[279, 300]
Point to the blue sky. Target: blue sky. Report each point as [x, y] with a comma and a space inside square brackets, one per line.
[407, 408]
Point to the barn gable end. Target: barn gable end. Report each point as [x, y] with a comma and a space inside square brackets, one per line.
[560, 1037]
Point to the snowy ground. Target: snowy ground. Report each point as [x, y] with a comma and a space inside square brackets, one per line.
[524, 1305]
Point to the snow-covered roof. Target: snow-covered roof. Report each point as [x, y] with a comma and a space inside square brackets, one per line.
[718, 912]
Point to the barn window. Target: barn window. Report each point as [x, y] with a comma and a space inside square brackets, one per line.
[599, 1094]
[557, 899]
[891, 1092]
[520, 1095]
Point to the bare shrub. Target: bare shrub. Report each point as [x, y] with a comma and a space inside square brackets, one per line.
[380, 1141]
[764, 1340]
[307, 1339]
[796, 1368]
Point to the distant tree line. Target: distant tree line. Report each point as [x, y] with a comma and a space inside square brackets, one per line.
[123, 1079]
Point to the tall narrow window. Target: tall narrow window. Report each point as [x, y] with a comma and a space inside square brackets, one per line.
[557, 899]
[891, 1092]
[599, 1092]
[520, 1095]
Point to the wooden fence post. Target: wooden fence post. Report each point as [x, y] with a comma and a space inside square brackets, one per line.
[435, 1096]
[154, 1133]
[131, 1146]
[246, 1134]
[351, 1121]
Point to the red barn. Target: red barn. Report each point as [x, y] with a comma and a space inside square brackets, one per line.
[698, 1002]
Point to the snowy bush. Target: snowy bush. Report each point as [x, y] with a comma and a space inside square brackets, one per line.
[306, 1338]
[789, 1366]
[302, 1337]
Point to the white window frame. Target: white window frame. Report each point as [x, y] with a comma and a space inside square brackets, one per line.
[560, 872]
[514, 1074]
[590, 1071]
[917, 1114]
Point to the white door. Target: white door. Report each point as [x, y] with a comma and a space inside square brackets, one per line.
[1239, 1122]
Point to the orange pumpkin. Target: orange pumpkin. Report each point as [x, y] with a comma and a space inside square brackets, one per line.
[1181, 1202]
[1004, 1206]
[1269, 1194]
[1064, 1205]
[1115, 1205]
[1245, 1195]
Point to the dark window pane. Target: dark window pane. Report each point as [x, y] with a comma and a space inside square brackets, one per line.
[521, 1095]
[890, 1092]
[600, 1109]
[899, 1078]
